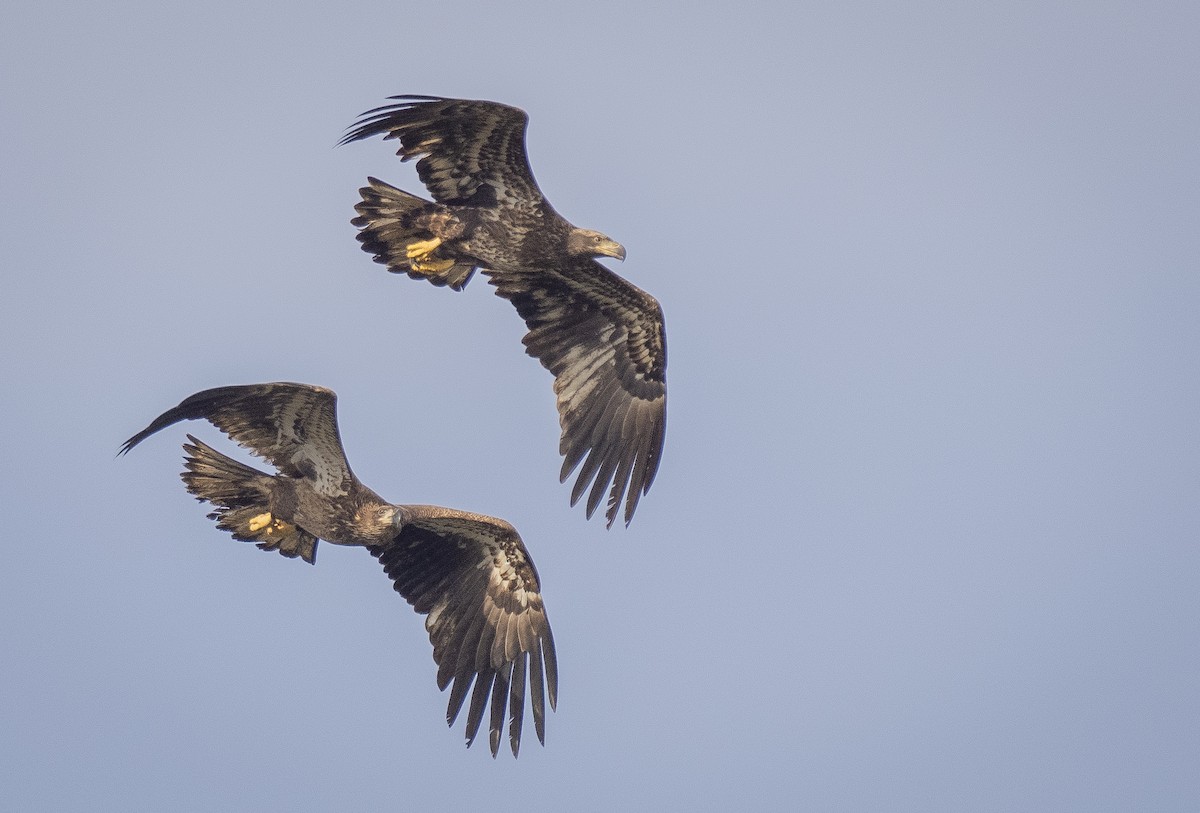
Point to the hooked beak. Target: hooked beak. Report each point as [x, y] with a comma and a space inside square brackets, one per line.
[611, 248]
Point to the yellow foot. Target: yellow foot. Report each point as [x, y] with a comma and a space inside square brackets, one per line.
[421, 259]
[278, 526]
[430, 266]
[422, 248]
[259, 522]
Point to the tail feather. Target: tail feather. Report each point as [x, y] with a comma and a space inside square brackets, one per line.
[387, 227]
[241, 496]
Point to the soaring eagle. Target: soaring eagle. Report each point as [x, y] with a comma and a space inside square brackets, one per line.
[601, 337]
[469, 574]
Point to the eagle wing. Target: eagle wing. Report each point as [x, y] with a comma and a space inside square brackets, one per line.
[293, 426]
[473, 152]
[473, 578]
[604, 341]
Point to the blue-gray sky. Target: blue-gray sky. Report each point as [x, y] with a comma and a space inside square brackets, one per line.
[925, 532]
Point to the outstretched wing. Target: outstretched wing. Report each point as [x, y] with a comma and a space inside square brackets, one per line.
[293, 426]
[605, 342]
[475, 581]
[473, 152]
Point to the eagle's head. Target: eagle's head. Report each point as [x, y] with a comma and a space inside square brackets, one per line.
[588, 243]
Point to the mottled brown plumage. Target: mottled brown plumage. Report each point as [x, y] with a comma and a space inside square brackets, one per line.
[469, 574]
[601, 337]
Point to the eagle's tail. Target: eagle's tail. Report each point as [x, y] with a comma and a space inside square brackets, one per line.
[241, 496]
[387, 228]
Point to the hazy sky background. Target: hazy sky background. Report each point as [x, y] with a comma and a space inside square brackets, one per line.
[925, 532]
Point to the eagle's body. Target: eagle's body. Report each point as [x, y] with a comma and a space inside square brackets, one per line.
[357, 517]
[469, 573]
[526, 237]
[601, 337]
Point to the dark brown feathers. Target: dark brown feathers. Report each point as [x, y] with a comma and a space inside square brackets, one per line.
[486, 621]
[604, 341]
[470, 574]
[601, 337]
[472, 152]
[292, 426]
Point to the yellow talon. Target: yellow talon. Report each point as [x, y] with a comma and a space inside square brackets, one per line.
[422, 248]
[259, 522]
[421, 259]
[431, 266]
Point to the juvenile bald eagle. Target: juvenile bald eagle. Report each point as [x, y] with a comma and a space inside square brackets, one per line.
[469, 574]
[601, 337]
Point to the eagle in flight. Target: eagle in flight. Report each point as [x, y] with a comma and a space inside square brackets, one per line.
[602, 338]
[469, 574]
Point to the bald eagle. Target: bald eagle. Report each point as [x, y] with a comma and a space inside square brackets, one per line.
[469, 574]
[601, 337]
